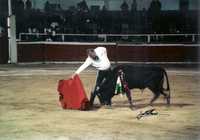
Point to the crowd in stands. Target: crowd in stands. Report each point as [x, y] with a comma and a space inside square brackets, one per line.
[81, 19]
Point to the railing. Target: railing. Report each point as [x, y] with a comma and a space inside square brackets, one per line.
[121, 38]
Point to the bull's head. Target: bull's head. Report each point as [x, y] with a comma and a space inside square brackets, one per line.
[107, 90]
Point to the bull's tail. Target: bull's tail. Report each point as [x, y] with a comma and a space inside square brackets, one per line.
[168, 87]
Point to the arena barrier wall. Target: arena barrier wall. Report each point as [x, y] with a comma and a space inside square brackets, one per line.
[74, 51]
[3, 49]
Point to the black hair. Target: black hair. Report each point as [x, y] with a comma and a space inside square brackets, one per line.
[95, 57]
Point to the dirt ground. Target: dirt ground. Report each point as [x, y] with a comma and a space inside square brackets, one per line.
[29, 108]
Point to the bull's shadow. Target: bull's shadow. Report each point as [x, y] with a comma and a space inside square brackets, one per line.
[116, 104]
[125, 104]
[95, 107]
[143, 105]
[125, 101]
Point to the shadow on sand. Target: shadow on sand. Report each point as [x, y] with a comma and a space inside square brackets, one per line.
[124, 104]
[139, 106]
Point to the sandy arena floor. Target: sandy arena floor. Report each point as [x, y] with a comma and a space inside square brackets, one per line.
[29, 108]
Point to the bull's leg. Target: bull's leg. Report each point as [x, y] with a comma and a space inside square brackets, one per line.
[156, 93]
[128, 95]
[154, 98]
[166, 96]
[108, 103]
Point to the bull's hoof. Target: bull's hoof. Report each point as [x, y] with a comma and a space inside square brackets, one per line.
[150, 104]
[132, 107]
[168, 104]
[102, 104]
[168, 101]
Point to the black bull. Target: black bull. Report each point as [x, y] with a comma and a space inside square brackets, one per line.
[151, 77]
